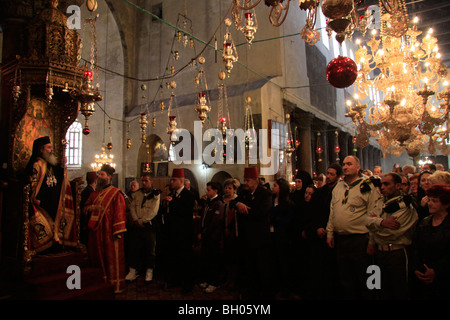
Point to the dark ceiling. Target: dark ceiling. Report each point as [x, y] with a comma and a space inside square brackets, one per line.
[432, 14]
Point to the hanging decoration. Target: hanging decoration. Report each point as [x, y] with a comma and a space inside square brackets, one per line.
[147, 168]
[201, 107]
[343, 19]
[89, 94]
[337, 149]
[341, 72]
[129, 143]
[109, 146]
[250, 137]
[319, 148]
[278, 11]
[250, 25]
[172, 118]
[308, 33]
[143, 122]
[229, 55]
[410, 78]
[202, 104]
[172, 125]
[290, 144]
[103, 158]
[223, 113]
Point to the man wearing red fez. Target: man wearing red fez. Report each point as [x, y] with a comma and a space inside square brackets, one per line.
[253, 206]
[107, 223]
[179, 225]
[52, 219]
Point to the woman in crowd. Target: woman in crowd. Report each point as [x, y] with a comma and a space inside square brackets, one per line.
[422, 199]
[431, 246]
[281, 221]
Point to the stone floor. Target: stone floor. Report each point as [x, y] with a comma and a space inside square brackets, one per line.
[140, 290]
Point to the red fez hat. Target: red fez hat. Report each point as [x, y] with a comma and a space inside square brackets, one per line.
[251, 173]
[178, 173]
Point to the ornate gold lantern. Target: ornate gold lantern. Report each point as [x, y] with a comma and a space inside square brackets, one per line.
[143, 124]
[202, 108]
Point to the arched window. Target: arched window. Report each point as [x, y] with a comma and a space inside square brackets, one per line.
[73, 148]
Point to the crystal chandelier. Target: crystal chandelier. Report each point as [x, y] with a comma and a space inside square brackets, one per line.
[103, 158]
[408, 74]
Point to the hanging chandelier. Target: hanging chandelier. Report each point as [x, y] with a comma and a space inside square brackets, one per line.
[103, 158]
[408, 75]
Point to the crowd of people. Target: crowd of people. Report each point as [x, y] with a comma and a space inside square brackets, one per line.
[314, 238]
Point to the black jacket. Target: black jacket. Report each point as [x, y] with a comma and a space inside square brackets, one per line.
[212, 221]
[179, 218]
[254, 227]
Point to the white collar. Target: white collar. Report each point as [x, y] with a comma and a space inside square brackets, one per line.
[179, 190]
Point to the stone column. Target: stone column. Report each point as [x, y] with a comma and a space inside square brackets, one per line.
[321, 133]
[343, 145]
[365, 159]
[304, 156]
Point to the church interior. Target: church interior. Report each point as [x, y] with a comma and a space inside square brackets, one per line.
[115, 81]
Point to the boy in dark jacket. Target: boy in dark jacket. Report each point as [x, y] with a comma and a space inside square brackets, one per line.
[212, 238]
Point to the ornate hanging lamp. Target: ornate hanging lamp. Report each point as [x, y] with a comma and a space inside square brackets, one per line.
[229, 55]
[202, 103]
[88, 94]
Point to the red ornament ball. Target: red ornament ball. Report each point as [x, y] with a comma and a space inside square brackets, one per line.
[341, 72]
[86, 131]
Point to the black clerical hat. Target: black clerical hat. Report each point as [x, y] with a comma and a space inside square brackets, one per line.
[108, 169]
[39, 143]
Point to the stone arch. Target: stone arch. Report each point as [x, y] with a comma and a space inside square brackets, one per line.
[188, 174]
[220, 177]
[154, 151]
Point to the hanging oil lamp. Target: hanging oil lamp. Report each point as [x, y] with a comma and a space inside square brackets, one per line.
[228, 56]
[319, 148]
[250, 27]
[202, 108]
[172, 125]
[229, 49]
[143, 124]
[86, 97]
[337, 149]
[178, 36]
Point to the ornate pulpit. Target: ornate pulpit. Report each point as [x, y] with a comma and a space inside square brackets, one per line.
[44, 87]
